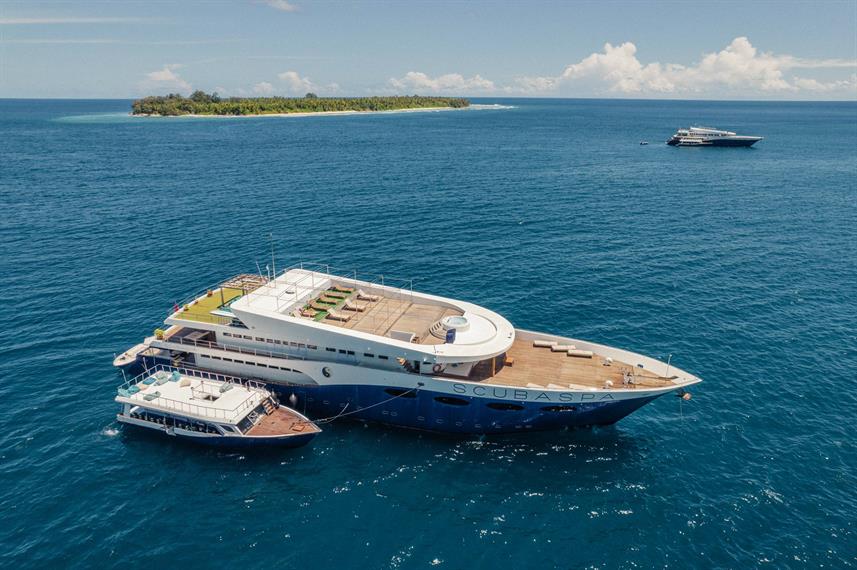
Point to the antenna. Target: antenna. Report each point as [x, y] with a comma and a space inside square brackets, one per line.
[273, 263]
[668, 365]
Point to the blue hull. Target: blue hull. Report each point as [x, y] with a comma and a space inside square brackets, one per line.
[423, 412]
[467, 415]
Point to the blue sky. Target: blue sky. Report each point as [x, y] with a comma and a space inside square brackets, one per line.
[679, 49]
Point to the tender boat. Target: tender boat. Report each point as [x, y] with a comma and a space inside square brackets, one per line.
[371, 349]
[210, 408]
[706, 136]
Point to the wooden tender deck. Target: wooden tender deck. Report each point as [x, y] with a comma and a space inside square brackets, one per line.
[282, 421]
[540, 366]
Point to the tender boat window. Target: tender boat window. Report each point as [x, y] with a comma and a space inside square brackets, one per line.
[449, 400]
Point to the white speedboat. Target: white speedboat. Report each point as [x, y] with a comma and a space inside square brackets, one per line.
[705, 136]
[210, 408]
[337, 344]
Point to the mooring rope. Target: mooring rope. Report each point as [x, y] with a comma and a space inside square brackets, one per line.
[342, 413]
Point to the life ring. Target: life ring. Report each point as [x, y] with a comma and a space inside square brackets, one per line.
[437, 368]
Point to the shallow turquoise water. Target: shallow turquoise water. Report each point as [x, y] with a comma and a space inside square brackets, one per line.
[740, 263]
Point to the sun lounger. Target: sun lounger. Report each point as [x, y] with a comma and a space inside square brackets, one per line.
[152, 396]
[329, 300]
[562, 347]
[544, 343]
[133, 390]
[124, 393]
[336, 294]
[307, 313]
[319, 306]
[337, 316]
[580, 353]
[363, 296]
[352, 306]
[342, 289]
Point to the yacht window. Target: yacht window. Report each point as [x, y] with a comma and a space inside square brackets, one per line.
[341, 351]
[351, 352]
[368, 355]
[277, 341]
[451, 401]
[248, 337]
[312, 347]
[260, 339]
[262, 365]
[382, 357]
[401, 392]
[227, 359]
[328, 349]
[270, 340]
[505, 407]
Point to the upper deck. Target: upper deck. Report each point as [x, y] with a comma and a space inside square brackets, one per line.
[310, 304]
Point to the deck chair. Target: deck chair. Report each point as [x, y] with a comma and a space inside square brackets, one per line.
[352, 306]
[307, 313]
[363, 296]
[319, 306]
[343, 289]
[336, 294]
[337, 316]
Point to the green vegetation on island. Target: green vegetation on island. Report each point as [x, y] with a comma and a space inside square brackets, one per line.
[201, 103]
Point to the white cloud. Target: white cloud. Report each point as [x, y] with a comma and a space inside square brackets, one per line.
[451, 82]
[168, 78]
[295, 83]
[282, 5]
[738, 68]
[263, 88]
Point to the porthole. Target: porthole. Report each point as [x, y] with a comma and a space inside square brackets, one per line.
[401, 392]
[450, 401]
[559, 408]
[505, 407]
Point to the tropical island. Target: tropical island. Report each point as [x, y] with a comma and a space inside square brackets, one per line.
[201, 103]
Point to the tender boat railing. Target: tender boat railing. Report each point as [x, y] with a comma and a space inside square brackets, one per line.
[232, 415]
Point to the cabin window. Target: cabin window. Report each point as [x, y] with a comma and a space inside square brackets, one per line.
[216, 358]
[417, 366]
[449, 400]
[269, 340]
[260, 339]
[401, 392]
[227, 334]
[328, 349]
[382, 357]
[250, 363]
[277, 341]
[227, 359]
[341, 351]
[505, 407]
[301, 345]
[293, 343]
[351, 352]
[559, 408]
[262, 365]
[248, 337]
[286, 369]
[312, 347]
[368, 355]
[274, 367]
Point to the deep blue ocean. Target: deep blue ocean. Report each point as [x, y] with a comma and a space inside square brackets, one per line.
[740, 263]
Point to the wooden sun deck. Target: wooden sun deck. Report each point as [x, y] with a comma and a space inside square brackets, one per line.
[387, 314]
[540, 367]
[282, 422]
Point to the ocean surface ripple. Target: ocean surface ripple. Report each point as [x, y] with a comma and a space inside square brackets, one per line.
[740, 263]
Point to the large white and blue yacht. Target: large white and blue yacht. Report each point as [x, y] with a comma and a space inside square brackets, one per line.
[333, 344]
